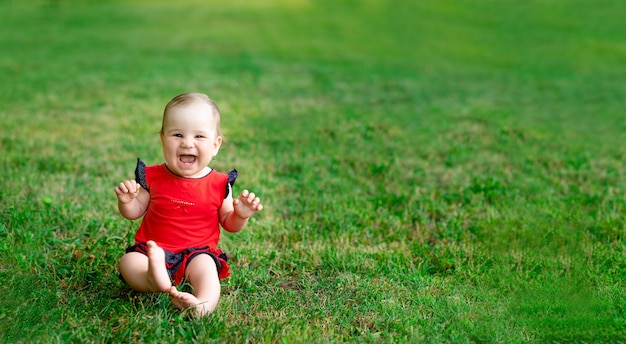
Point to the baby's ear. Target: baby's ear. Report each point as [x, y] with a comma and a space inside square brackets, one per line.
[217, 144]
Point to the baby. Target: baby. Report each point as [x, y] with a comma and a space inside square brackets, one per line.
[183, 203]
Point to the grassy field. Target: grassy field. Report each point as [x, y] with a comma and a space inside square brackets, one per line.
[431, 171]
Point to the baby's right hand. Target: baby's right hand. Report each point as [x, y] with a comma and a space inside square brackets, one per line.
[127, 191]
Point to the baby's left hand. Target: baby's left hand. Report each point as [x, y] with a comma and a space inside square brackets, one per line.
[247, 204]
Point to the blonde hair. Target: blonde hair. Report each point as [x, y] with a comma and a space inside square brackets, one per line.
[191, 97]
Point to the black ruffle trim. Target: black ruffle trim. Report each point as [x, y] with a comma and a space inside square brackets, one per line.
[232, 177]
[140, 174]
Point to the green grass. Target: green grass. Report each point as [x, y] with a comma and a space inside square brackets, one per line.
[432, 171]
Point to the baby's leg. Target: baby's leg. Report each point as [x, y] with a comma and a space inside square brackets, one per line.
[202, 275]
[146, 273]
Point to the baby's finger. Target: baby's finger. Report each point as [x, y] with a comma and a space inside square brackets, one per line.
[132, 186]
[251, 197]
[136, 187]
[122, 187]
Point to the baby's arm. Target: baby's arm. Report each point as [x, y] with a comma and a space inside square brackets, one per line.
[234, 213]
[132, 199]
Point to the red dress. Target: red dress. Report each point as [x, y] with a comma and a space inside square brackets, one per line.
[183, 215]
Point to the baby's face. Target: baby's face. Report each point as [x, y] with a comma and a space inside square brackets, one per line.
[190, 139]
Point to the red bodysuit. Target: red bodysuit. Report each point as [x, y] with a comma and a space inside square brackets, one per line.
[183, 212]
[183, 216]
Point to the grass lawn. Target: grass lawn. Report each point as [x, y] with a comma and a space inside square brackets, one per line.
[431, 171]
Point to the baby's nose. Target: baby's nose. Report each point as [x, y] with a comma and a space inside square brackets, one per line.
[186, 142]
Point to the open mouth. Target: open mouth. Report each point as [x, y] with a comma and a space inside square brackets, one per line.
[187, 159]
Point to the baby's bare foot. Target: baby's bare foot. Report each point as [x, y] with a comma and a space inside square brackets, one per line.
[183, 300]
[157, 272]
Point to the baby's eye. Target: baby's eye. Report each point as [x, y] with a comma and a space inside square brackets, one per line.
[178, 135]
[200, 136]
